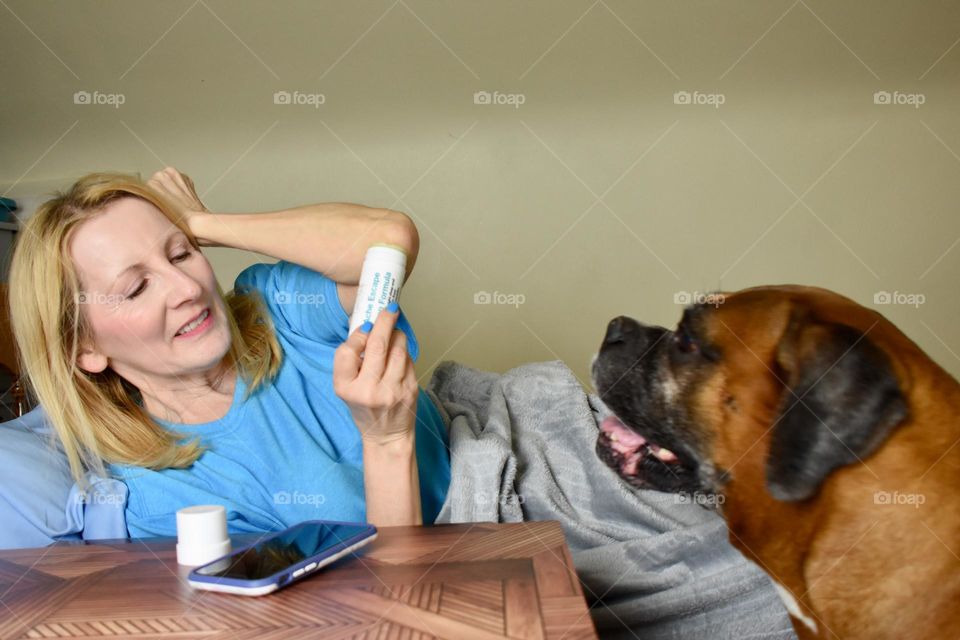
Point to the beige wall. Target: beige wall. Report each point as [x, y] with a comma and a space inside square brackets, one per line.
[692, 197]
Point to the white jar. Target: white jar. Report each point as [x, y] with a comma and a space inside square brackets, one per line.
[201, 534]
[381, 277]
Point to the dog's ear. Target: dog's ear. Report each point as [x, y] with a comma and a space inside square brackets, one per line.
[841, 401]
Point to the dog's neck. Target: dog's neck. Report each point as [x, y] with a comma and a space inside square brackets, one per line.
[774, 535]
[844, 557]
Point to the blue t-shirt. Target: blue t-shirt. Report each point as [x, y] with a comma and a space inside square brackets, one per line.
[290, 452]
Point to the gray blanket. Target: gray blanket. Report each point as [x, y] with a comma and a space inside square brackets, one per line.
[651, 565]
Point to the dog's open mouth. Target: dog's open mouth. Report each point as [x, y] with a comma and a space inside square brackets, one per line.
[644, 463]
[632, 446]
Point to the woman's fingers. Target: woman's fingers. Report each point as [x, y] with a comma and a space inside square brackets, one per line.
[410, 378]
[347, 361]
[163, 177]
[397, 360]
[378, 346]
[375, 367]
[178, 187]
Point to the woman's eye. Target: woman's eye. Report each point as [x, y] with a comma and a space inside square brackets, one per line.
[139, 290]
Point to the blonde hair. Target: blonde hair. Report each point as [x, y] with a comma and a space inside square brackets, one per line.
[97, 416]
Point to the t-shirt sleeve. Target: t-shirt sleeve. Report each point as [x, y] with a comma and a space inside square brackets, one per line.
[305, 302]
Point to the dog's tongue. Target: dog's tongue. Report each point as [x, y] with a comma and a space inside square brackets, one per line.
[622, 437]
[627, 441]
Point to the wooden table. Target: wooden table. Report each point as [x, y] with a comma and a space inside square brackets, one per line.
[447, 581]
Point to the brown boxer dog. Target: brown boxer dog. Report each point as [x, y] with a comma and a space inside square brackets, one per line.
[827, 437]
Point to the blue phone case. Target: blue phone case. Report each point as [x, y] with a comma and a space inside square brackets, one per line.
[288, 573]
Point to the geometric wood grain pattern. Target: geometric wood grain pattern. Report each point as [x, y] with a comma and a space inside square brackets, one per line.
[459, 581]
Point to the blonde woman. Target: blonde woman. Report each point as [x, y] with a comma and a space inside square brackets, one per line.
[257, 400]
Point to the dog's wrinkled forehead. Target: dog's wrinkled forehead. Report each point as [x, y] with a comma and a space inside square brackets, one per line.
[756, 319]
[745, 326]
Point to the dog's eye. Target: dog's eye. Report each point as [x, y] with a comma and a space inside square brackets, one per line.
[683, 341]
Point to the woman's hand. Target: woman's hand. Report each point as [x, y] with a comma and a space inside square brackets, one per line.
[380, 388]
[177, 189]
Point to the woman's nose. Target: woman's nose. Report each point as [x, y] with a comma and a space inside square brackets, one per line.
[183, 287]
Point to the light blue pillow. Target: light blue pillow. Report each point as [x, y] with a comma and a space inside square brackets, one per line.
[39, 502]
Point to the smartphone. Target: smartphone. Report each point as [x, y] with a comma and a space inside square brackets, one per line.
[282, 558]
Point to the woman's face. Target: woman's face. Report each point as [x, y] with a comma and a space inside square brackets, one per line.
[142, 282]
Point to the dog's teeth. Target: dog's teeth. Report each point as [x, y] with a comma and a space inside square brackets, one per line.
[665, 455]
[613, 437]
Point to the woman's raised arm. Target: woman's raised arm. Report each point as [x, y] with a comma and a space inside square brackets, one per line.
[331, 238]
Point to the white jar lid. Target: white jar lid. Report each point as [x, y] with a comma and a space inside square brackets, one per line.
[201, 534]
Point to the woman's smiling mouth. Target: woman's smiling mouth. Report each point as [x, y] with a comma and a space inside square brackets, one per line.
[196, 326]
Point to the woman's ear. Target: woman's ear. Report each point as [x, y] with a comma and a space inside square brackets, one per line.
[91, 360]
